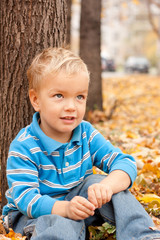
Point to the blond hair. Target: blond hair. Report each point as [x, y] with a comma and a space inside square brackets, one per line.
[54, 60]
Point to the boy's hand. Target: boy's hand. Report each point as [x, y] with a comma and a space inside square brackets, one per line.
[99, 194]
[79, 208]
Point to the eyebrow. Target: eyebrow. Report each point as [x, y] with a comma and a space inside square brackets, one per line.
[62, 91]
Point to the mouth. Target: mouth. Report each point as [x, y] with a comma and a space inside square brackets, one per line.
[68, 118]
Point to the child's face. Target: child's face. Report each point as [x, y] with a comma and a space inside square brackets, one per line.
[61, 102]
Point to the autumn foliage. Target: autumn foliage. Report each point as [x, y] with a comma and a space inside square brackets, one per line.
[131, 121]
[11, 235]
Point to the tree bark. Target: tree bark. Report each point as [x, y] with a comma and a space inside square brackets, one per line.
[68, 40]
[27, 27]
[90, 49]
[156, 28]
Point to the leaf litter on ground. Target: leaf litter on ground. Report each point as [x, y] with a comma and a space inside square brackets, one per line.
[131, 121]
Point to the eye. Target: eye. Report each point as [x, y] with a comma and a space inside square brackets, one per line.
[80, 97]
[58, 95]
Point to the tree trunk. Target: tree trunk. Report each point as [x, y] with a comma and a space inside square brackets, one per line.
[68, 40]
[156, 28]
[90, 49]
[26, 28]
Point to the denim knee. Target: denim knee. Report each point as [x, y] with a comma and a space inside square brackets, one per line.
[94, 178]
[58, 228]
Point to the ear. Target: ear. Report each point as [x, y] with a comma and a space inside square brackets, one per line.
[34, 99]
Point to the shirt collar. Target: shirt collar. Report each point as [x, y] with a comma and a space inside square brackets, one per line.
[50, 144]
[77, 135]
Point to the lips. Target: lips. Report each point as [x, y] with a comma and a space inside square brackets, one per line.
[68, 118]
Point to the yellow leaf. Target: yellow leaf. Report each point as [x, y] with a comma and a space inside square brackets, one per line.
[149, 198]
[94, 171]
[130, 134]
[157, 124]
[150, 168]
[98, 171]
[140, 180]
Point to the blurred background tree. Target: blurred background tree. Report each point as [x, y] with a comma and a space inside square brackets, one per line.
[90, 44]
[154, 19]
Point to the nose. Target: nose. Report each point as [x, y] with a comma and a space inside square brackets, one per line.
[70, 105]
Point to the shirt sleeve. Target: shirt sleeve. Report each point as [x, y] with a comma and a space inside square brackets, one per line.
[24, 193]
[109, 158]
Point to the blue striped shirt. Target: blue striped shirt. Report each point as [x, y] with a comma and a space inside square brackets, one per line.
[41, 170]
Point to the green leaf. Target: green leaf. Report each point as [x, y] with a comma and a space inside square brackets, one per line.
[108, 226]
[111, 230]
[100, 228]
[102, 232]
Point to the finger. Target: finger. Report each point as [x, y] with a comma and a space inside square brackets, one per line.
[81, 208]
[83, 204]
[98, 196]
[104, 196]
[92, 197]
[109, 196]
[84, 212]
[86, 206]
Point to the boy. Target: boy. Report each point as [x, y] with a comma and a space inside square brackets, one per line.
[53, 193]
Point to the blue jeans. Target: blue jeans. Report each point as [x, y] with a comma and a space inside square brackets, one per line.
[132, 221]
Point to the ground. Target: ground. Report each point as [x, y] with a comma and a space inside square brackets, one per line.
[131, 121]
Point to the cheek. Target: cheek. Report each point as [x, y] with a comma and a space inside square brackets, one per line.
[82, 109]
[50, 106]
